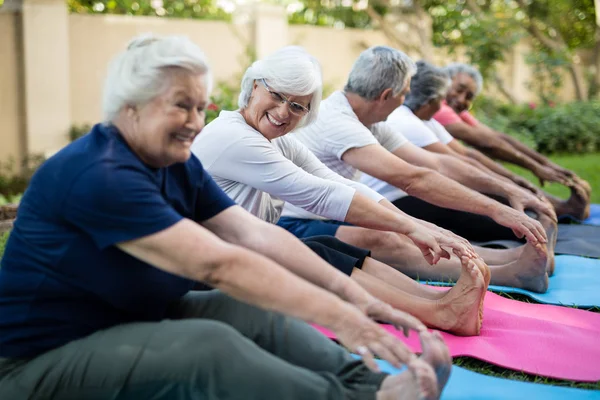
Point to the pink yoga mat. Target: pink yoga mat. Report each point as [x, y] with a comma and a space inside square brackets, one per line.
[552, 341]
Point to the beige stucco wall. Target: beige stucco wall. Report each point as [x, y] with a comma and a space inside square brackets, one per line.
[336, 49]
[95, 39]
[11, 112]
[52, 64]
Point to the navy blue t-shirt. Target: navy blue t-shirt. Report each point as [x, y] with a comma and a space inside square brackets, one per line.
[62, 277]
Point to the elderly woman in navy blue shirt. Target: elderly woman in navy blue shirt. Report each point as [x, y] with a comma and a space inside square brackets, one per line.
[117, 228]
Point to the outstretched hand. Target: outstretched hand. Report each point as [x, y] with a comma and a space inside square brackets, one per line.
[431, 241]
[549, 174]
[521, 225]
[521, 200]
[357, 332]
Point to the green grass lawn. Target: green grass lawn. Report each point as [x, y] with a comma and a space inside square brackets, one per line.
[586, 166]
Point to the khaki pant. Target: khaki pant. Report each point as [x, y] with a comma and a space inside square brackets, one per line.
[213, 347]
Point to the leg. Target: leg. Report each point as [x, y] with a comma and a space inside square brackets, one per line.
[286, 338]
[299, 344]
[188, 359]
[528, 271]
[457, 310]
[468, 225]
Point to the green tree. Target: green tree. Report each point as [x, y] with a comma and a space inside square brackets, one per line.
[198, 9]
[560, 31]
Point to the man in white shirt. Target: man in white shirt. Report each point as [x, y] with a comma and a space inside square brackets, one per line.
[415, 120]
[350, 136]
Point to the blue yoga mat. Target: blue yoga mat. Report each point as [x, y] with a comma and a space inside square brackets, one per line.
[576, 282]
[469, 385]
[594, 218]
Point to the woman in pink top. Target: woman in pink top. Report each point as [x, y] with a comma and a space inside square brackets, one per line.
[455, 117]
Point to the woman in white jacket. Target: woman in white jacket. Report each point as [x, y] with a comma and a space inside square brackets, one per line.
[250, 157]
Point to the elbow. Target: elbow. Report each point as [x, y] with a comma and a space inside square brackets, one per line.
[415, 183]
[217, 271]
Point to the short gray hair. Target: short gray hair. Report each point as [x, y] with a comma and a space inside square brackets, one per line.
[379, 68]
[137, 75]
[290, 70]
[459, 68]
[430, 82]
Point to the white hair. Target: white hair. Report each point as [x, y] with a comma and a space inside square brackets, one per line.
[379, 68]
[459, 68]
[137, 75]
[290, 70]
[428, 83]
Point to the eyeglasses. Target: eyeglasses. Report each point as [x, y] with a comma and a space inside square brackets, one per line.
[295, 108]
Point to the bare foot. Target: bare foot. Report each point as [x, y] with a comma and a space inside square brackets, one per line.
[585, 185]
[436, 354]
[551, 229]
[415, 383]
[577, 206]
[528, 272]
[460, 311]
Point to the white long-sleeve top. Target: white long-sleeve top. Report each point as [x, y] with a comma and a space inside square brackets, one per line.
[261, 175]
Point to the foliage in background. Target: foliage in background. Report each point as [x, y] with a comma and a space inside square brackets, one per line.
[549, 128]
[78, 131]
[196, 9]
[3, 239]
[14, 180]
[558, 29]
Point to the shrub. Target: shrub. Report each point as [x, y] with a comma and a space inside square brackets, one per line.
[13, 180]
[78, 131]
[3, 240]
[566, 128]
[224, 97]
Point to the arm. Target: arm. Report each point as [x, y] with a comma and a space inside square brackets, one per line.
[501, 171]
[189, 250]
[436, 189]
[496, 171]
[534, 154]
[489, 142]
[382, 215]
[473, 178]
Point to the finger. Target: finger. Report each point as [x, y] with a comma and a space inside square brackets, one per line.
[367, 358]
[385, 353]
[445, 254]
[428, 256]
[539, 231]
[400, 350]
[406, 322]
[519, 232]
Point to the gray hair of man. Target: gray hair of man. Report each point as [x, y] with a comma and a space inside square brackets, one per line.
[290, 70]
[459, 68]
[379, 68]
[430, 82]
[139, 74]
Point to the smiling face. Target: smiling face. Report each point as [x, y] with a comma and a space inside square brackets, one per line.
[268, 114]
[461, 93]
[163, 129]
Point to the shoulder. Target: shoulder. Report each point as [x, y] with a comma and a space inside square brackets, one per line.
[100, 155]
[446, 115]
[468, 118]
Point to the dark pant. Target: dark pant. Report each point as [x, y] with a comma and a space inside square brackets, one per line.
[212, 347]
[342, 256]
[468, 225]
